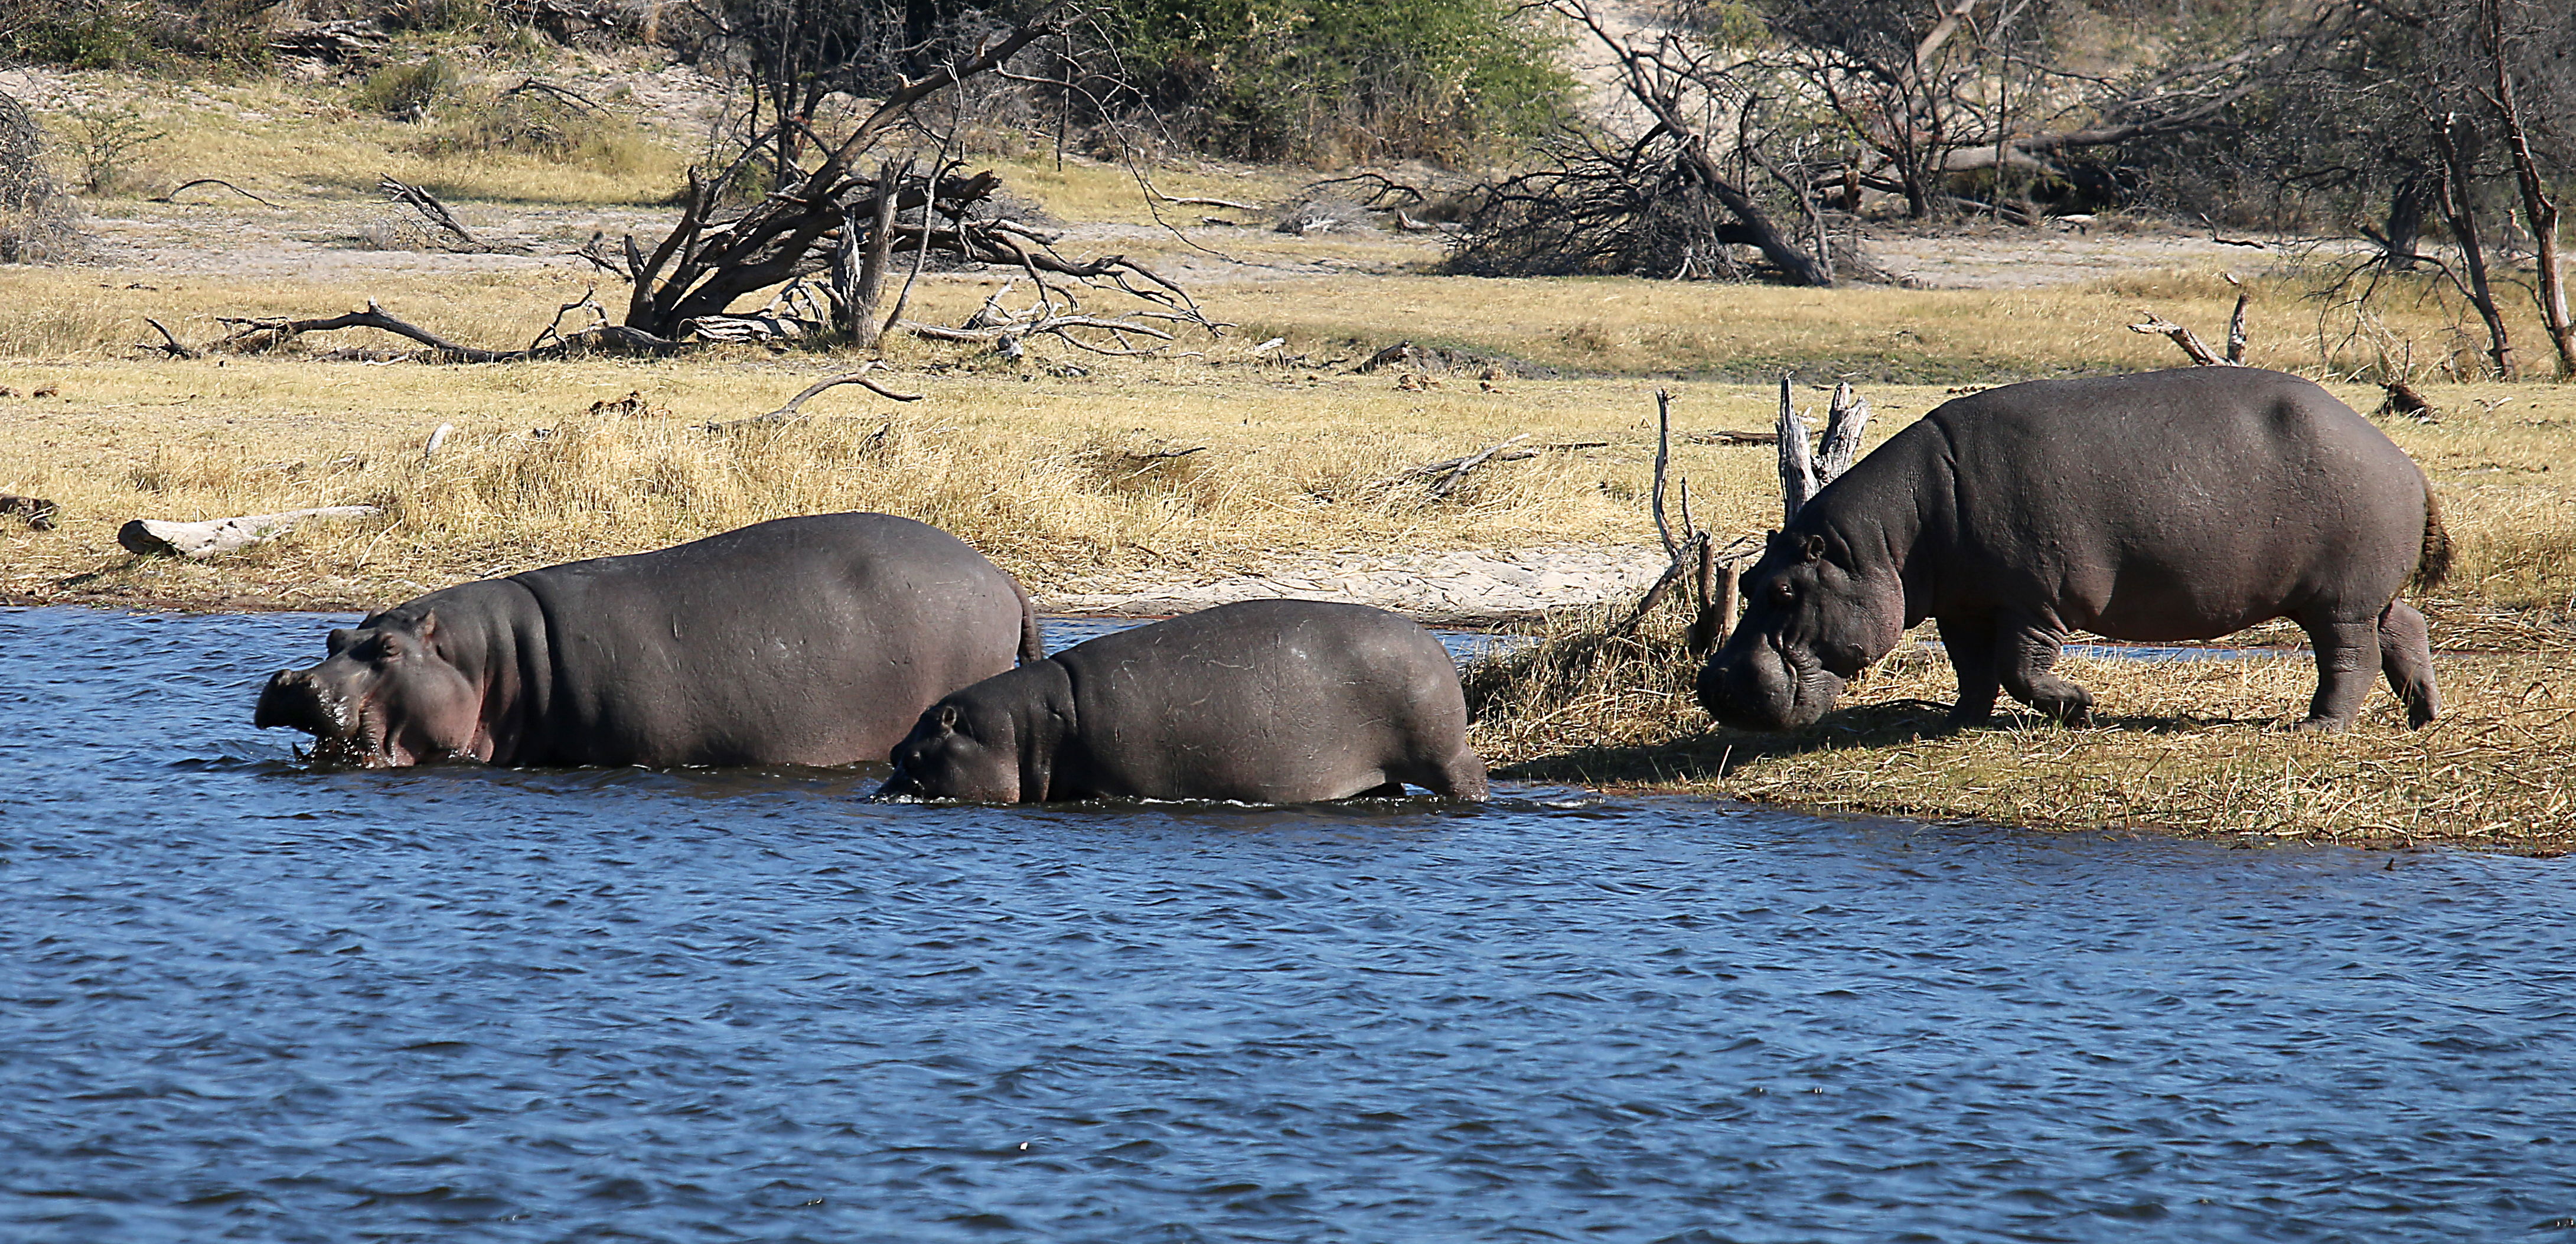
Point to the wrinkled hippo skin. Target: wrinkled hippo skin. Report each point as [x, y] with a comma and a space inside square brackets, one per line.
[2168, 506]
[1274, 701]
[807, 641]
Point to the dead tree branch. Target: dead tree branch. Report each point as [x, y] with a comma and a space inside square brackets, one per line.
[435, 212]
[253, 335]
[2192, 345]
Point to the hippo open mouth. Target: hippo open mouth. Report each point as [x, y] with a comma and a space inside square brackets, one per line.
[341, 737]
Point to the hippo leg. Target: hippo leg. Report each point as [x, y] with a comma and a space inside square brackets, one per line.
[2406, 654]
[1971, 645]
[1459, 775]
[2028, 649]
[2347, 657]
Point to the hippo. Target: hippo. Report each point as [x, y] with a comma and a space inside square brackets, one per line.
[1271, 701]
[2167, 506]
[799, 641]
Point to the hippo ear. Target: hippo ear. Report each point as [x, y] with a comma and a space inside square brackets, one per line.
[944, 718]
[427, 627]
[340, 639]
[1813, 549]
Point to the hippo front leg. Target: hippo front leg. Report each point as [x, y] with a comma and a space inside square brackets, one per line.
[2348, 661]
[1971, 645]
[2025, 652]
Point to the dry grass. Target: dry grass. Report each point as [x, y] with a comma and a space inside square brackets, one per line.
[2188, 747]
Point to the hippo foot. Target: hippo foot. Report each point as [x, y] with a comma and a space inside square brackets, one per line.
[2074, 714]
[2316, 725]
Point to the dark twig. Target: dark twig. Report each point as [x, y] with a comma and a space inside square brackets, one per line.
[173, 196]
[173, 347]
[788, 411]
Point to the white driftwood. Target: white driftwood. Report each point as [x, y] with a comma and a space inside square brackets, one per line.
[1846, 419]
[1797, 465]
[437, 439]
[223, 535]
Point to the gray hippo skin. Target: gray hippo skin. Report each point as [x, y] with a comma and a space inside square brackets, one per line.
[1272, 701]
[2167, 506]
[808, 641]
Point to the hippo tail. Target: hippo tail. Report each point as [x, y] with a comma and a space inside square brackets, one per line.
[1032, 645]
[2434, 564]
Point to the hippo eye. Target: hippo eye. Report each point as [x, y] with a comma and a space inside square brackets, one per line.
[1783, 591]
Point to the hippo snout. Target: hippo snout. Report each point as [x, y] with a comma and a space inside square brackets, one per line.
[1760, 691]
[295, 700]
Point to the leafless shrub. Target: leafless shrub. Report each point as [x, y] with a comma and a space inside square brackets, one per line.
[38, 222]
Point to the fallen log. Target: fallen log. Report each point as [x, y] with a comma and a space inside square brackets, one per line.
[155, 537]
[250, 335]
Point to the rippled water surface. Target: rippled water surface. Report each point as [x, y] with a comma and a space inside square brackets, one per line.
[239, 1000]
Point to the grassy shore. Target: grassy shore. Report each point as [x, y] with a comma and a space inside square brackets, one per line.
[1072, 469]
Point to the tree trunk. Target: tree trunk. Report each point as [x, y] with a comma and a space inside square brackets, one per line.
[2537, 209]
[2406, 220]
[861, 271]
[2459, 158]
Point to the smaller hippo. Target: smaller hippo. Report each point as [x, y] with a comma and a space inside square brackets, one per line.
[1271, 701]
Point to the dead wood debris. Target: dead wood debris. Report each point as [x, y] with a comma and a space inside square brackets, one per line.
[39, 513]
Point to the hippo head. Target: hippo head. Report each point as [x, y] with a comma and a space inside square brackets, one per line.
[1814, 617]
[385, 697]
[954, 753]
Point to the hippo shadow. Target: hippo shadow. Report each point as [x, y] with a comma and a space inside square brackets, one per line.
[1720, 751]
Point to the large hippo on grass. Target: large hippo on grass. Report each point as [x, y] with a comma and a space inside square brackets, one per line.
[2167, 506]
[810, 641]
[1272, 701]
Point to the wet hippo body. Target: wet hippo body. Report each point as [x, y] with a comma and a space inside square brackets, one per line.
[2168, 506]
[814, 640]
[1273, 701]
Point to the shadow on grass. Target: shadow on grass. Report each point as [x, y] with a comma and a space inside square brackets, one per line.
[1713, 755]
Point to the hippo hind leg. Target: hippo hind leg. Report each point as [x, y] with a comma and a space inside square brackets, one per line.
[2348, 654]
[2025, 654]
[2406, 654]
[1458, 775]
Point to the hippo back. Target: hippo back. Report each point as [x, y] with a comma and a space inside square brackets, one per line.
[811, 640]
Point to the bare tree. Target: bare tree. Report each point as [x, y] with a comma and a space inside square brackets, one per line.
[1661, 202]
[1934, 91]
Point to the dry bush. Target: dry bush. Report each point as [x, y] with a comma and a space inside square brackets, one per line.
[529, 123]
[38, 222]
[1577, 686]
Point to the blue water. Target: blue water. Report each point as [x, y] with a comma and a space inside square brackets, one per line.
[241, 1000]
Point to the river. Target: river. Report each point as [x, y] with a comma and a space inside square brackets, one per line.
[243, 1000]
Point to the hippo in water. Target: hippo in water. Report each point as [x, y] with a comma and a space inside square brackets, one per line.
[811, 641]
[1271, 701]
[2167, 506]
